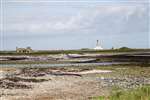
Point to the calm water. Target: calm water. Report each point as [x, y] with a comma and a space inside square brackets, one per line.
[58, 65]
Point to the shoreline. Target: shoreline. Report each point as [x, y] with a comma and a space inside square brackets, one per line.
[70, 82]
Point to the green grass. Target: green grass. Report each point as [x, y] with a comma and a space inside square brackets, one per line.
[80, 51]
[141, 93]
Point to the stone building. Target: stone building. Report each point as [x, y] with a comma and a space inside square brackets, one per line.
[24, 50]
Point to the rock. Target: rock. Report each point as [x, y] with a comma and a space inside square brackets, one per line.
[13, 85]
[127, 82]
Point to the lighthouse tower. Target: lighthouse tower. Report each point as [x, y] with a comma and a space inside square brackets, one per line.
[98, 47]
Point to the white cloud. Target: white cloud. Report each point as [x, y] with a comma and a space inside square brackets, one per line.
[86, 19]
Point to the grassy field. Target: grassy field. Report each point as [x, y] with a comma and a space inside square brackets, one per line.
[141, 93]
[80, 51]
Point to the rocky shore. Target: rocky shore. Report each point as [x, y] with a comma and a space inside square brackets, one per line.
[71, 83]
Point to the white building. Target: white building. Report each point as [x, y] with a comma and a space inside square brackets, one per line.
[98, 47]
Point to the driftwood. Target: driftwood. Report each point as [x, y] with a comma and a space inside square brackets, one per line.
[69, 74]
[19, 79]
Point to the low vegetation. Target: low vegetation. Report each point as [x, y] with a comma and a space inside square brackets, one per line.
[80, 51]
[141, 93]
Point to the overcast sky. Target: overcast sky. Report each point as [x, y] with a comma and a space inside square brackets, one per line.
[58, 24]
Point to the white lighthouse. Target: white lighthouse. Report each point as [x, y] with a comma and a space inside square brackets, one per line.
[98, 47]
